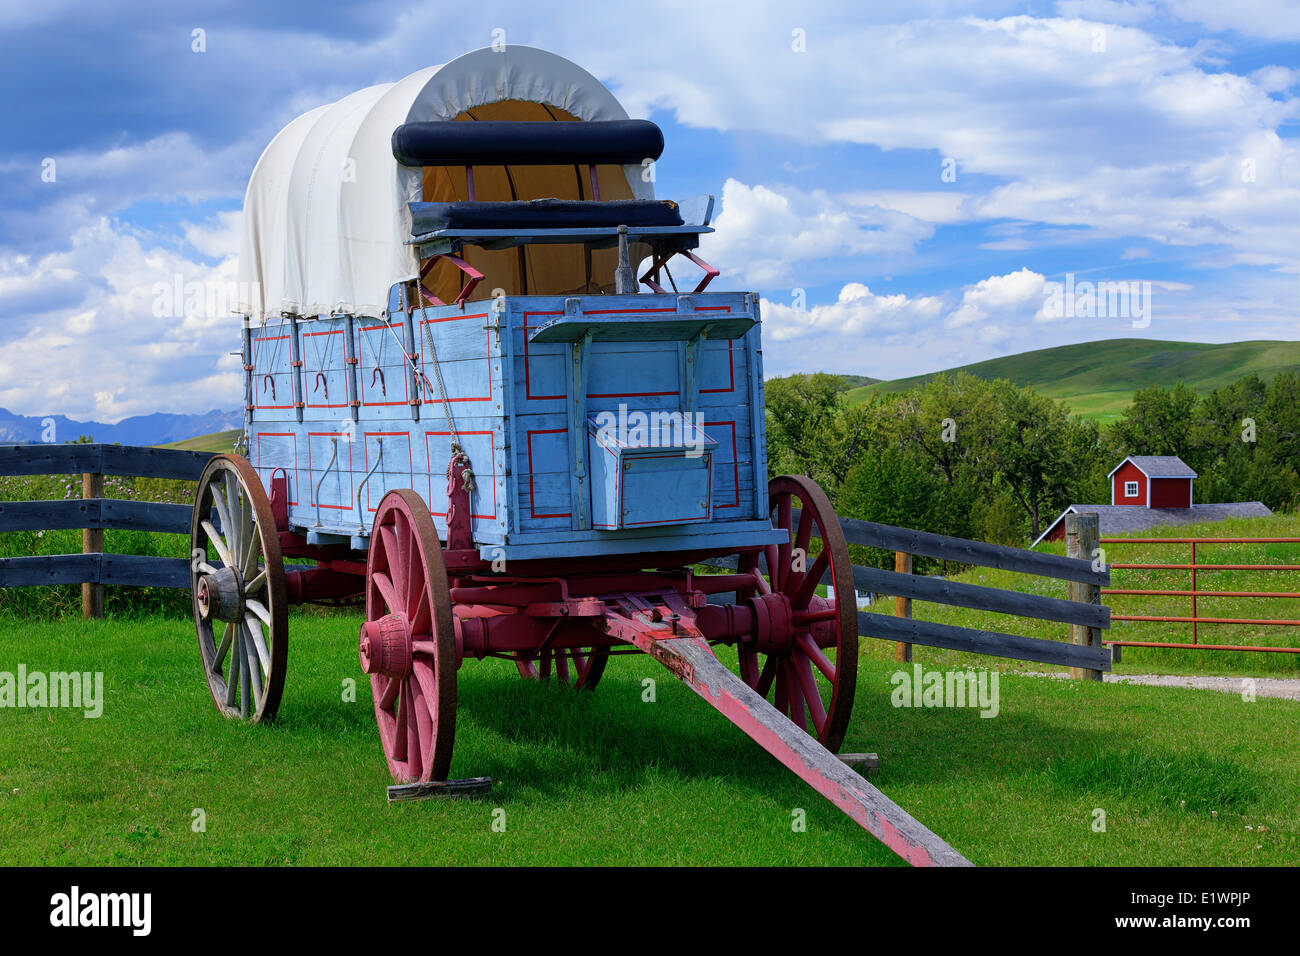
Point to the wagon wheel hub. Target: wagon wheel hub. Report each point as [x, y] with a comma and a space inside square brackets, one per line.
[386, 646]
[220, 596]
[773, 623]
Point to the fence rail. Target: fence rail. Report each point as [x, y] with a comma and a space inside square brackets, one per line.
[94, 514]
[1086, 617]
[1195, 618]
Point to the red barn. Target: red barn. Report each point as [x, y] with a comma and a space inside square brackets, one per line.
[1152, 481]
[1152, 491]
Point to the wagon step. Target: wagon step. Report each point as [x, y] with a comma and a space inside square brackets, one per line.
[673, 641]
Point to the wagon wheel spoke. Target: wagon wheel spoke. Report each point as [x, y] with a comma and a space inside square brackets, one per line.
[807, 586]
[385, 585]
[255, 662]
[259, 611]
[795, 692]
[220, 655]
[259, 643]
[226, 558]
[389, 695]
[577, 667]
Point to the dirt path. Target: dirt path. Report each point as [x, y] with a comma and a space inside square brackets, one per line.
[1286, 687]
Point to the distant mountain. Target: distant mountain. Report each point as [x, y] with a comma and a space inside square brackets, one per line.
[1097, 379]
[160, 428]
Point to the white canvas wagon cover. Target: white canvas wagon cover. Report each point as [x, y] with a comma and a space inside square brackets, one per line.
[326, 214]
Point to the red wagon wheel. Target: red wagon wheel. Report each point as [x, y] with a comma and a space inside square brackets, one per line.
[811, 674]
[579, 667]
[237, 584]
[408, 645]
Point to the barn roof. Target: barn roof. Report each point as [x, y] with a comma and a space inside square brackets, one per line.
[1122, 519]
[326, 214]
[1158, 466]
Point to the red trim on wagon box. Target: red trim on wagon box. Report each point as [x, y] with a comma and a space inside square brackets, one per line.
[410, 457]
[311, 486]
[292, 435]
[532, 506]
[442, 475]
[487, 336]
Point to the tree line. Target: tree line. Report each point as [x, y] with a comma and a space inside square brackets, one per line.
[994, 461]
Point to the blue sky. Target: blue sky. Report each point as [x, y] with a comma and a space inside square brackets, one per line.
[1151, 141]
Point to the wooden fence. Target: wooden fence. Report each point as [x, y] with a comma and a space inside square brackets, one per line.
[94, 514]
[1084, 613]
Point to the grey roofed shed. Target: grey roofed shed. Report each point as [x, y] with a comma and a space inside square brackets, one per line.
[1122, 519]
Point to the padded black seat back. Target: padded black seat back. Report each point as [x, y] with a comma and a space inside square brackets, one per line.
[500, 143]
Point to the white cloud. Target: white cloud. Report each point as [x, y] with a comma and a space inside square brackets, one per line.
[858, 311]
[1003, 296]
[97, 350]
[770, 236]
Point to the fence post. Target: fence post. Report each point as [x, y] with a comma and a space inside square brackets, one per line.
[92, 542]
[902, 606]
[1082, 538]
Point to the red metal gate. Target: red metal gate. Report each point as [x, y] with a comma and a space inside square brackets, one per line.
[1194, 592]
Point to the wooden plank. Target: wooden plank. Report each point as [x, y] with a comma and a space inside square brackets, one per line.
[92, 542]
[470, 787]
[890, 538]
[49, 569]
[94, 513]
[97, 458]
[43, 459]
[48, 515]
[154, 462]
[139, 570]
[145, 516]
[902, 602]
[1082, 532]
[978, 597]
[690, 659]
[992, 643]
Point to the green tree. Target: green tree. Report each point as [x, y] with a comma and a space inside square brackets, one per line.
[1158, 422]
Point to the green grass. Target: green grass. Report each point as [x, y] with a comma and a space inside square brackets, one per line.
[606, 778]
[1142, 660]
[1098, 379]
[215, 442]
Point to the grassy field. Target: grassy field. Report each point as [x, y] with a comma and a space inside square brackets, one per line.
[1143, 660]
[1098, 379]
[1184, 777]
[215, 442]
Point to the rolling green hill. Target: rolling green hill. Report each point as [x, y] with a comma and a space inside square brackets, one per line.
[216, 442]
[1098, 379]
